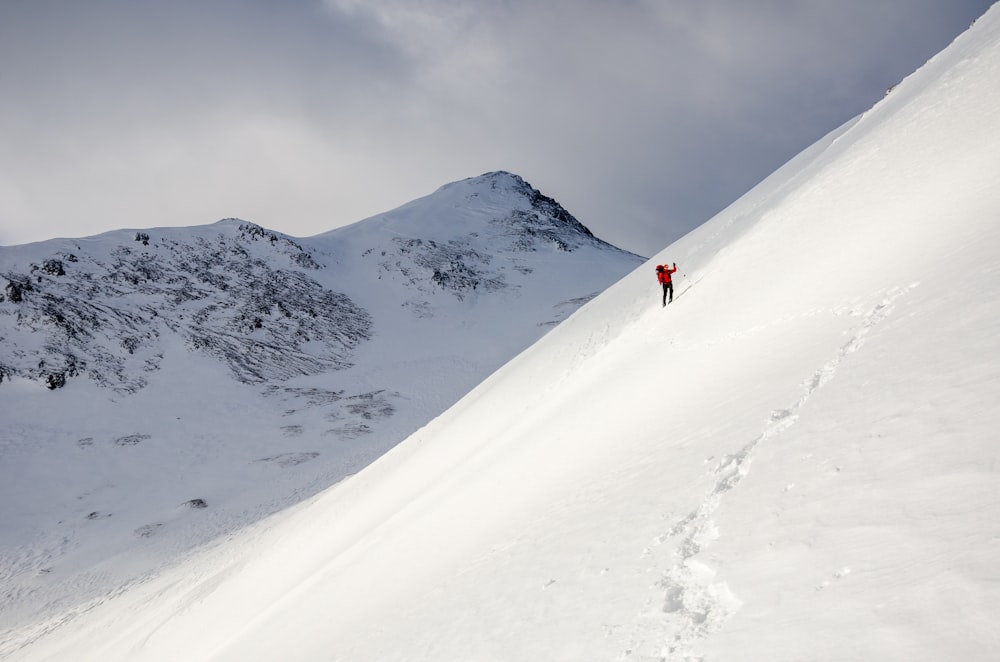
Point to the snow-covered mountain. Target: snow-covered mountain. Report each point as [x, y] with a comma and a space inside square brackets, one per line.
[796, 460]
[272, 307]
[162, 387]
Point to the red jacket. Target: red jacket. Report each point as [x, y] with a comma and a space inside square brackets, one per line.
[663, 273]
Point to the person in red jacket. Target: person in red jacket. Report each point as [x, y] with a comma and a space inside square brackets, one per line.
[663, 275]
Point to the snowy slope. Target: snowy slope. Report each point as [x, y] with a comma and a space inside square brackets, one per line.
[161, 388]
[796, 460]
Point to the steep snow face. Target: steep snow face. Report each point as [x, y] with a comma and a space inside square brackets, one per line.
[794, 460]
[162, 387]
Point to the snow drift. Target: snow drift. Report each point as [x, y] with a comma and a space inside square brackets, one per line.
[794, 460]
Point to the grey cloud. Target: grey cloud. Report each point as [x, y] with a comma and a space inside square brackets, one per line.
[643, 117]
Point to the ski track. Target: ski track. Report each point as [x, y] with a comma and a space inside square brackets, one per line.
[687, 604]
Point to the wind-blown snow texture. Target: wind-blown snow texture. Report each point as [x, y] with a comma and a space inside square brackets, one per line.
[163, 387]
[796, 460]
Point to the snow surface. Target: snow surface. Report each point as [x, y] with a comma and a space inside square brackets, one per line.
[796, 460]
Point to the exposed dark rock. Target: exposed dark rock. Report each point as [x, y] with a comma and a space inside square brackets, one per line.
[349, 431]
[455, 267]
[53, 268]
[219, 297]
[370, 405]
[55, 380]
[545, 206]
[311, 397]
[15, 290]
[297, 254]
[132, 439]
[289, 459]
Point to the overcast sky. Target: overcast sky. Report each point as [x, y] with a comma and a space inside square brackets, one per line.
[642, 117]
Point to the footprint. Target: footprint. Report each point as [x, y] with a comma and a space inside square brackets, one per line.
[839, 574]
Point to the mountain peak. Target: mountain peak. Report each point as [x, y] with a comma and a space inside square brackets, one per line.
[497, 179]
[504, 201]
[501, 182]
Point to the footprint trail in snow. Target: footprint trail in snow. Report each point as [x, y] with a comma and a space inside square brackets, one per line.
[689, 604]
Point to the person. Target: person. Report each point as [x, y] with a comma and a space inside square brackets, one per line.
[663, 275]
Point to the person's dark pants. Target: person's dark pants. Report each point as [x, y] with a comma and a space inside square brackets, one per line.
[668, 288]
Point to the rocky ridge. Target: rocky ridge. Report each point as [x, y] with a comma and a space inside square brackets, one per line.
[102, 317]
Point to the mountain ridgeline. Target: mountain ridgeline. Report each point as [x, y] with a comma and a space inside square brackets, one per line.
[102, 314]
[268, 306]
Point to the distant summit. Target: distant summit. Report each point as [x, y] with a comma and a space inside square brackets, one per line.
[502, 180]
[259, 301]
